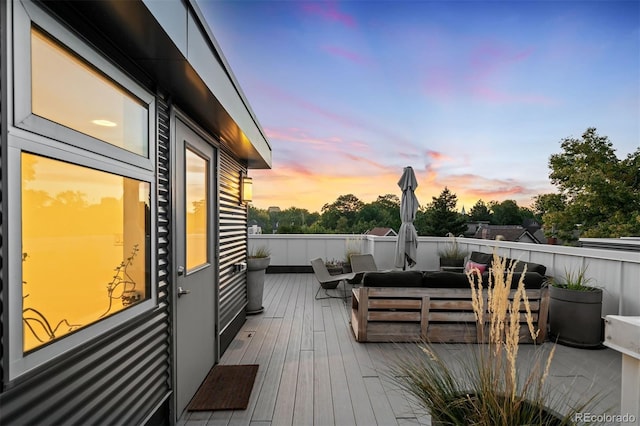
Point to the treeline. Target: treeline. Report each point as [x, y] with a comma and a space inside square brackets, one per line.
[348, 214]
[598, 196]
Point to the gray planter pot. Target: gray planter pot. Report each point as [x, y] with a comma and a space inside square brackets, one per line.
[545, 416]
[575, 317]
[256, 268]
[451, 263]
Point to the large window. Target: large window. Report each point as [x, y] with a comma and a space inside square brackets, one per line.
[81, 193]
[84, 246]
[68, 91]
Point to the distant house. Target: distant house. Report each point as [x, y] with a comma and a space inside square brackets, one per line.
[514, 233]
[382, 232]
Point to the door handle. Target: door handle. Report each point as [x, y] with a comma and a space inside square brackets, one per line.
[182, 291]
[180, 270]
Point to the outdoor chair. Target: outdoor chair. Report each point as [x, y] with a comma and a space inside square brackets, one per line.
[363, 263]
[326, 280]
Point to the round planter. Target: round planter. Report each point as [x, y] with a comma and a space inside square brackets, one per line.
[334, 269]
[256, 268]
[468, 403]
[451, 263]
[575, 317]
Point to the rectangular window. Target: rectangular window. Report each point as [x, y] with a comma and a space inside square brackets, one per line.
[196, 206]
[70, 92]
[85, 247]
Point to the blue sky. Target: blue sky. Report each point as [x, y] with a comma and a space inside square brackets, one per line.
[474, 95]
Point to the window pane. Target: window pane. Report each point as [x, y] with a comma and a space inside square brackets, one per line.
[85, 246]
[68, 91]
[196, 206]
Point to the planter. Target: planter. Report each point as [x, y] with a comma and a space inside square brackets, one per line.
[448, 264]
[334, 269]
[256, 268]
[575, 317]
[467, 405]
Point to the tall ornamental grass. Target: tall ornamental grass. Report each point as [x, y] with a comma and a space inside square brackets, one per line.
[485, 387]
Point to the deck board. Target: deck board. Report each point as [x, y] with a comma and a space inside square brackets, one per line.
[313, 372]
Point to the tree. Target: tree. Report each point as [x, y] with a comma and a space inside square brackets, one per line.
[602, 193]
[384, 212]
[480, 212]
[440, 217]
[345, 206]
[548, 203]
[506, 213]
[261, 218]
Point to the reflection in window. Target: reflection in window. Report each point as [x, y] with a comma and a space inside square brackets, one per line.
[66, 90]
[85, 246]
[196, 206]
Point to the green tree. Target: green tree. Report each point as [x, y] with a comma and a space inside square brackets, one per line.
[345, 206]
[440, 218]
[548, 203]
[480, 212]
[261, 218]
[294, 220]
[506, 213]
[602, 193]
[383, 212]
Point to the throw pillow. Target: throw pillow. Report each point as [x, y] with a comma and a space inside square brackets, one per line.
[475, 267]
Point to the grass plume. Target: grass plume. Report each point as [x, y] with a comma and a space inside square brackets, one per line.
[485, 386]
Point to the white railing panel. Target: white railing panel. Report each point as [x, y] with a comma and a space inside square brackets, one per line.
[617, 272]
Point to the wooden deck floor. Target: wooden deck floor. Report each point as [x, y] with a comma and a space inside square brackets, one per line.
[313, 372]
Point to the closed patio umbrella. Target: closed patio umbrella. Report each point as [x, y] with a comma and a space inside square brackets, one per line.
[407, 244]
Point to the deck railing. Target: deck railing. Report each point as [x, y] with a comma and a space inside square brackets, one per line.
[616, 272]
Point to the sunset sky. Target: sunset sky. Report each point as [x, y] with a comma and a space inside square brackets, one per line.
[474, 95]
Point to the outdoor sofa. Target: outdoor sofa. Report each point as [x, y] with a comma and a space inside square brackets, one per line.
[436, 306]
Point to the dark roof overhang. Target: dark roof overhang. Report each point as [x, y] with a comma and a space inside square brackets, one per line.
[172, 49]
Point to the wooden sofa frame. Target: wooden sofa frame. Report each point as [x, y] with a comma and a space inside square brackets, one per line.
[436, 315]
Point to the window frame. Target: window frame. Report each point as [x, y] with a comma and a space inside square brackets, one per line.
[42, 137]
[24, 118]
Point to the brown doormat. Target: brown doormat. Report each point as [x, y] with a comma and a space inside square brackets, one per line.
[227, 387]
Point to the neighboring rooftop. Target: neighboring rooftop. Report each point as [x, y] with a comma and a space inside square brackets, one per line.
[514, 233]
[382, 232]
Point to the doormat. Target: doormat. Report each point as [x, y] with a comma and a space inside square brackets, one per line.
[227, 387]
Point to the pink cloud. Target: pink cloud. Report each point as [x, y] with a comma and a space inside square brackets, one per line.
[346, 54]
[490, 58]
[363, 160]
[299, 136]
[437, 156]
[483, 74]
[492, 95]
[280, 96]
[329, 11]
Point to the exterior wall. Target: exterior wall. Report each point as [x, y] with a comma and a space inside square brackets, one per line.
[233, 248]
[125, 377]
[3, 144]
[617, 272]
[128, 370]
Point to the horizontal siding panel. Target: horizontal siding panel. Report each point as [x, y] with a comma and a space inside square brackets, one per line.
[120, 377]
[232, 239]
[93, 379]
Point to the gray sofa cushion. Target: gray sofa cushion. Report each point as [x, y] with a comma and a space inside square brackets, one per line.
[487, 259]
[532, 280]
[445, 279]
[393, 279]
[441, 279]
